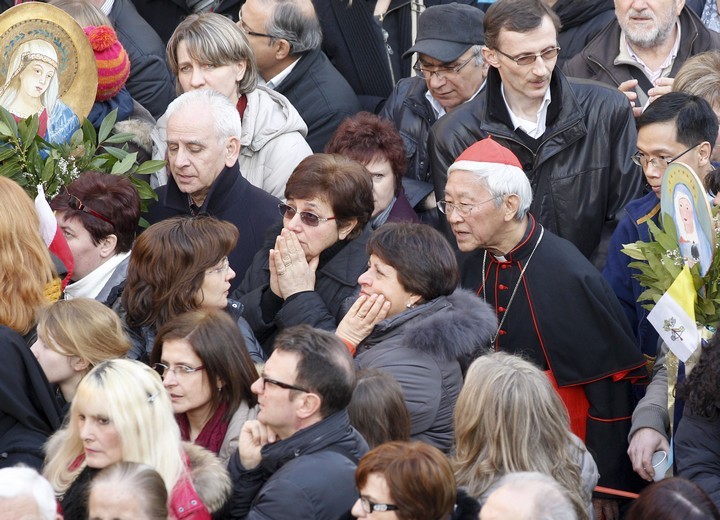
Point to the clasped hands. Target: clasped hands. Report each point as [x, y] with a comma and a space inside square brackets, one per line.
[290, 272]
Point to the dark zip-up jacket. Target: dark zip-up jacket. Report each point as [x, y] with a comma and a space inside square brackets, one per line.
[581, 172]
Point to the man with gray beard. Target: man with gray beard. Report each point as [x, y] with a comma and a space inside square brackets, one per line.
[643, 48]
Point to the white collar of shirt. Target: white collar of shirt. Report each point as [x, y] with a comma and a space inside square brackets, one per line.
[275, 81]
[107, 7]
[92, 283]
[627, 54]
[531, 128]
[438, 108]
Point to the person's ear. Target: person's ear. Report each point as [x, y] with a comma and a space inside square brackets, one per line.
[282, 49]
[80, 365]
[108, 245]
[240, 69]
[310, 404]
[232, 150]
[344, 231]
[490, 56]
[510, 206]
[704, 150]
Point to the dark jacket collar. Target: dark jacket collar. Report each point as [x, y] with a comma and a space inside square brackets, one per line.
[221, 189]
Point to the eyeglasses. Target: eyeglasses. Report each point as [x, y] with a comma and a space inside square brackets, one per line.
[244, 28]
[77, 204]
[440, 72]
[372, 507]
[643, 160]
[462, 208]
[286, 386]
[177, 370]
[528, 59]
[223, 269]
[309, 219]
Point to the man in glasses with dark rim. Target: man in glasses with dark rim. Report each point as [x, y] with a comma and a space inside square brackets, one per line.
[449, 71]
[298, 459]
[574, 139]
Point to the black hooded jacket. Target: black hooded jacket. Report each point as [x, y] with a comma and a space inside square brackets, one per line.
[581, 20]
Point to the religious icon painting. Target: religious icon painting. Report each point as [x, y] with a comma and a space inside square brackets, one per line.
[685, 203]
[48, 68]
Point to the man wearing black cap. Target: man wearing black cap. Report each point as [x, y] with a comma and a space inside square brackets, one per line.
[450, 71]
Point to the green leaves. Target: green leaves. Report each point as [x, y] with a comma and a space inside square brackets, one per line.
[659, 262]
[29, 160]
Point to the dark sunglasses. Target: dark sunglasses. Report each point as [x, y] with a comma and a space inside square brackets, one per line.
[309, 219]
[77, 204]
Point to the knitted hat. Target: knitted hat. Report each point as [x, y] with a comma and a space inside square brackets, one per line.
[113, 64]
[487, 154]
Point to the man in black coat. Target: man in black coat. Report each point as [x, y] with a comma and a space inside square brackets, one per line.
[574, 139]
[203, 144]
[286, 37]
[298, 459]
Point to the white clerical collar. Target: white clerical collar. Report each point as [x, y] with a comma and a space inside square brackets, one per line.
[277, 79]
[438, 108]
[532, 128]
[92, 283]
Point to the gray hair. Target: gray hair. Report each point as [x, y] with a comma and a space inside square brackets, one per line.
[477, 54]
[226, 119]
[548, 498]
[296, 22]
[22, 481]
[500, 180]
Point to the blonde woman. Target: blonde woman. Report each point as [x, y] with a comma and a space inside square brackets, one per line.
[27, 274]
[73, 337]
[121, 412]
[509, 418]
[32, 87]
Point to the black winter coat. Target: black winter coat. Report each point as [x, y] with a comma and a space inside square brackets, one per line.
[581, 20]
[697, 452]
[308, 475]
[423, 349]
[321, 96]
[413, 116]
[150, 81]
[335, 283]
[29, 413]
[231, 198]
[581, 173]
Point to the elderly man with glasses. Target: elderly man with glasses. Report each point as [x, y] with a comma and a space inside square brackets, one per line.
[574, 139]
[450, 71]
[298, 459]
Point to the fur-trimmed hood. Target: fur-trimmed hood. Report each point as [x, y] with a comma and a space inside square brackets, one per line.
[448, 327]
[209, 476]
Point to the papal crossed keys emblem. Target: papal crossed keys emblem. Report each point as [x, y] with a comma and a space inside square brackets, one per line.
[676, 332]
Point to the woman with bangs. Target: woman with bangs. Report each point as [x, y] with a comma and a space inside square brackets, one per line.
[73, 337]
[308, 269]
[509, 418]
[122, 413]
[207, 373]
[179, 265]
[208, 50]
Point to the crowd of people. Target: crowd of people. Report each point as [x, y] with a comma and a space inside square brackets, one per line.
[383, 274]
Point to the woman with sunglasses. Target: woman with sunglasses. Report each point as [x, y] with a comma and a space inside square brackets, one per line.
[98, 214]
[180, 264]
[207, 372]
[306, 273]
[410, 481]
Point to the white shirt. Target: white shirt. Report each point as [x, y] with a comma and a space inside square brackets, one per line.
[532, 128]
[107, 7]
[92, 283]
[653, 75]
[274, 82]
